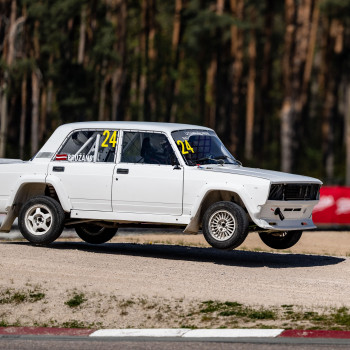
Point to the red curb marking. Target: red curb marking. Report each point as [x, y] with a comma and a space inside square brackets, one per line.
[293, 333]
[45, 331]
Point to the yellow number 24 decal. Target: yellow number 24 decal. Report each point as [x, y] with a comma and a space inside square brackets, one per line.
[112, 139]
[185, 145]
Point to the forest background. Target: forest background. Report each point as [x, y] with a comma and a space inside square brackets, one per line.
[271, 77]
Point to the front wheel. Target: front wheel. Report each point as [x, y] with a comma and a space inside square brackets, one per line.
[41, 220]
[225, 225]
[95, 234]
[281, 240]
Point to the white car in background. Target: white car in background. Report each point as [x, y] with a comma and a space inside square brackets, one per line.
[98, 176]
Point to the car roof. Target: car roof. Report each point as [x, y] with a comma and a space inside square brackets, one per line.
[131, 125]
[62, 131]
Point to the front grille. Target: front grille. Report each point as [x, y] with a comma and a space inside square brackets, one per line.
[294, 192]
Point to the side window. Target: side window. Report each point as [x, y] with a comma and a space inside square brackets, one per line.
[89, 146]
[147, 148]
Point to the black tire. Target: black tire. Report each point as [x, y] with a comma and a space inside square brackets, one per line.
[225, 225]
[94, 234]
[281, 240]
[41, 220]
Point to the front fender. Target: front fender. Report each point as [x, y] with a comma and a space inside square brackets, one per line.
[206, 190]
[252, 195]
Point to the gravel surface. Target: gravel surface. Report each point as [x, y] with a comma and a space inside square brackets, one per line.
[160, 276]
[179, 272]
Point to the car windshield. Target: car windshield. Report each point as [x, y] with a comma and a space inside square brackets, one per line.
[202, 147]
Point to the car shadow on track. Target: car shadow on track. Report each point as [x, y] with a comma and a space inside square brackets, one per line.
[210, 255]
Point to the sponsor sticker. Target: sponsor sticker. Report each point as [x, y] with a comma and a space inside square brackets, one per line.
[343, 206]
[80, 158]
[324, 203]
[61, 157]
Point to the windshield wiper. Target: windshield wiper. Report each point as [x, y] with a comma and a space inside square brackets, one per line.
[206, 159]
[217, 159]
[227, 157]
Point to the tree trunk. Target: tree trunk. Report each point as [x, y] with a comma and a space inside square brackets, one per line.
[36, 79]
[143, 98]
[102, 100]
[287, 106]
[296, 69]
[22, 127]
[43, 115]
[4, 116]
[50, 92]
[251, 89]
[347, 130]
[210, 94]
[8, 56]
[264, 110]
[332, 82]
[82, 36]
[310, 52]
[212, 75]
[174, 82]
[119, 74]
[237, 10]
[35, 111]
[151, 55]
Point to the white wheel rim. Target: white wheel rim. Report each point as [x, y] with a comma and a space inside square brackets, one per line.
[222, 225]
[38, 219]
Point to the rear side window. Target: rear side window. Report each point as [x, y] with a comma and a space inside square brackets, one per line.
[89, 146]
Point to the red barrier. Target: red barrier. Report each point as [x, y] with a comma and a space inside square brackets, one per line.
[333, 207]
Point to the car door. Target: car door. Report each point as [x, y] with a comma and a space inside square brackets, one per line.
[146, 180]
[84, 165]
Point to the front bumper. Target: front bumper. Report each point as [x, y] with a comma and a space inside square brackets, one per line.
[286, 215]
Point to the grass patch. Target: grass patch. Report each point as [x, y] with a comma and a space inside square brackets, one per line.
[342, 317]
[216, 314]
[76, 300]
[3, 323]
[74, 324]
[11, 296]
[127, 303]
[36, 296]
[238, 310]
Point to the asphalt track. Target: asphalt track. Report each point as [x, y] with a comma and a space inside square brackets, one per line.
[30, 342]
[28, 338]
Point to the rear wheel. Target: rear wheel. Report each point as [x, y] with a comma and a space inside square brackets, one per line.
[95, 234]
[281, 240]
[41, 220]
[225, 225]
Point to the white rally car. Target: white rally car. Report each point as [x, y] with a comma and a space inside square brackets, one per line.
[98, 176]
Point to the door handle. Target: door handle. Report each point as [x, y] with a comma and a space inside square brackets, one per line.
[122, 171]
[59, 169]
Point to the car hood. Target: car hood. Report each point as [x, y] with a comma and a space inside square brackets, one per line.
[273, 176]
[10, 161]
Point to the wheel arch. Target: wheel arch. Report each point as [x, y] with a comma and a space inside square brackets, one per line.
[32, 189]
[25, 191]
[212, 196]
